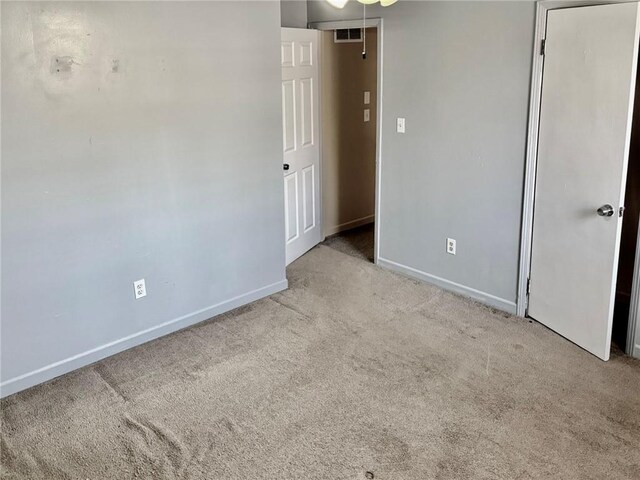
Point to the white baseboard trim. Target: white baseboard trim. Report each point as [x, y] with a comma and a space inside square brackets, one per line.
[83, 359]
[483, 297]
[349, 225]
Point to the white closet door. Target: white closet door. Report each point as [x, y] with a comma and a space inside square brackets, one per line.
[585, 124]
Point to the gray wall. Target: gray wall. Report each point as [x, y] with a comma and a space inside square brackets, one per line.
[459, 72]
[155, 152]
[293, 13]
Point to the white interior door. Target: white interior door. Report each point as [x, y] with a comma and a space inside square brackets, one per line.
[300, 127]
[585, 123]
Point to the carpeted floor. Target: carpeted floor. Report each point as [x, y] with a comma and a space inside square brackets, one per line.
[357, 242]
[352, 370]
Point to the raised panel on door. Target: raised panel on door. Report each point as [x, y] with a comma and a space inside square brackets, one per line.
[306, 54]
[306, 112]
[289, 115]
[308, 198]
[292, 226]
[287, 54]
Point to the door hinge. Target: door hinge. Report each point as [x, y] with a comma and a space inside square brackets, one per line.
[528, 286]
[621, 212]
[543, 46]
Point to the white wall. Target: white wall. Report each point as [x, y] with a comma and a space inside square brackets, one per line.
[459, 72]
[155, 152]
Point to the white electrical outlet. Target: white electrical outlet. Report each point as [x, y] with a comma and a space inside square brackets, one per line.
[367, 98]
[367, 114]
[451, 246]
[400, 125]
[140, 289]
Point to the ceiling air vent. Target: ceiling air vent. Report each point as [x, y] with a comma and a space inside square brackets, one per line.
[347, 35]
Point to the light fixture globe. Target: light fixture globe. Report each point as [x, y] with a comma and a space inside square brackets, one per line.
[342, 3]
[337, 3]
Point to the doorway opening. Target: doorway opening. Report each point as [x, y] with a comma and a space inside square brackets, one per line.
[332, 129]
[349, 102]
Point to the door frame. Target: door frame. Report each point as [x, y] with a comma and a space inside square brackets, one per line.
[359, 23]
[633, 341]
[542, 7]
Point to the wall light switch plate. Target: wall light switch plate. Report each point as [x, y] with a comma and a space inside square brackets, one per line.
[367, 98]
[451, 246]
[400, 125]
[140, 289]
[367, 114]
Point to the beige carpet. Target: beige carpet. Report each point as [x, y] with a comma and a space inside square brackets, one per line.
[357, 242]
[354, 369]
